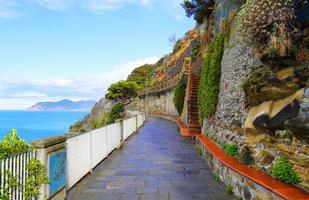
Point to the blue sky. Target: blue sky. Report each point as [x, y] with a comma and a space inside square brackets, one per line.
[56, 49]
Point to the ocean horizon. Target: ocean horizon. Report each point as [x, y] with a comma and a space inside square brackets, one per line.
[35, 125]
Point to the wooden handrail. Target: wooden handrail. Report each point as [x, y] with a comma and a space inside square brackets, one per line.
[166, 84]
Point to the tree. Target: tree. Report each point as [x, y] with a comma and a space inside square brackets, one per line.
[200, 9]
[124, 91]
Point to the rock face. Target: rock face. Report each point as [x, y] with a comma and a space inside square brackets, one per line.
[271, 115]
[98, 110]
[267, 83]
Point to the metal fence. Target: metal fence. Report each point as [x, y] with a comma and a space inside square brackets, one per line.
[14, 167]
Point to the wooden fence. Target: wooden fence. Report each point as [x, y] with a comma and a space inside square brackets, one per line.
[15, 166]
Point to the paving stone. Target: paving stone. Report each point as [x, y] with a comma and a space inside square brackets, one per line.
[146, 190]
[156, 163]
[106, 196]
[155, 197]
[130, 197]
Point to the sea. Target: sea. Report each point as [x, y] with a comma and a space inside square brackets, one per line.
[35, 125]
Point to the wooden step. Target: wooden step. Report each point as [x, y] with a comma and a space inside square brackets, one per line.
[194, 126]
[194, 131]
[193, 117]
[193, 121]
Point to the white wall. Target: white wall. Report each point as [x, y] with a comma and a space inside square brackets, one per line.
[129, 127]
[86, 151]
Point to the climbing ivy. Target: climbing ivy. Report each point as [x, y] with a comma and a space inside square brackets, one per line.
[210, 78]
[179, 97]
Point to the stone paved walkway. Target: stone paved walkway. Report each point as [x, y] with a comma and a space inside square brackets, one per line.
[156, 163]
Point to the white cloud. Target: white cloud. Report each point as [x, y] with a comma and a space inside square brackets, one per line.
[54, 4]
[29, 94]
[10, 9]
[22, 93]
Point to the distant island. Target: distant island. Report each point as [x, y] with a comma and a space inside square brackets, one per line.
[63, 105]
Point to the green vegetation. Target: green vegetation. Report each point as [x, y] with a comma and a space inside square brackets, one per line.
[229, 189]
[200, 9]
[108, 117]
[283, 170]
[210, 78]
[142, 74]
[124, 91]
[259, 168]
[177, 46]
[196, 52]
[270, 24]
[198, 149]
[12, 144]
[36, 177]
[116, 111]
[216, 177]
[231, 149]
[75, 128]
[179, 97]
[256, 80]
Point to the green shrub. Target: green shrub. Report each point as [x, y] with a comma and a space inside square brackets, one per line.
[229, 189]
[210, 78]
[256, 80]
[179, 97]
[196, 52]
[12, 144]
[198, 149]
[96, 122]
[283, 170]
[76, 127]
[116, 111]
[231, 149]
[36, 172]
[36, 177]
[108, 117]
[216, 177]
[82, 130]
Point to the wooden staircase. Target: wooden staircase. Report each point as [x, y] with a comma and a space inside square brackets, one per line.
[193, 114]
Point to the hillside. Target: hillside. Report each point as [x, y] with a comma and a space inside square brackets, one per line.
[63, 105]
[240, 78]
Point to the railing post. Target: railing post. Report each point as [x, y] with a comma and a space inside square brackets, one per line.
[53, 155]
[121, 136]
[136, 121]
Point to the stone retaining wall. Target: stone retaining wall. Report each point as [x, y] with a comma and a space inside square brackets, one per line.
[242, 186]
[158, 104]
